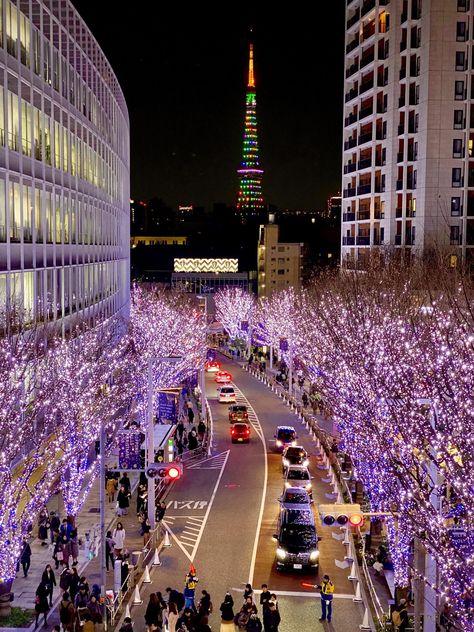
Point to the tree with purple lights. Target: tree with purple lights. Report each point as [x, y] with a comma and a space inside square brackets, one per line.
[392, 352]
[162, 326]
[28, 439]
[91, 386]
[235, 309]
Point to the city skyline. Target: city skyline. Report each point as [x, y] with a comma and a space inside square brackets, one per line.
[186, 140]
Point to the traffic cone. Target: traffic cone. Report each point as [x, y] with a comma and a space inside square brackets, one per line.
[357, 598]
[127, 612]
[365, 622]
[166, 541]
[352, 575]
[156, 559]
[137, 600]
[146, 576]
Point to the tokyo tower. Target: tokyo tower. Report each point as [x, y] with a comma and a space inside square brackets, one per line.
[250, 198]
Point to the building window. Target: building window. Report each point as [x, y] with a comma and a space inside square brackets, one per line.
[457, 148]
[454, 236]
[458, 119]
[456, 209]
[460, 60]
[456, 180]
[463, 5]
[461, 31]
[280, 272]
[459, 90]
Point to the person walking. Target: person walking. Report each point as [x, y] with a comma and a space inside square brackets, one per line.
[122, 501]
[192, 439]
[146, 529]
[190, 413]
[49, 580]
[400, 616]
[125, 482]
[67, 613]
[205, 604]
[43, 526]
[109, 548]
[172, 616]
[111, 488]
[25, 557]
[54, 526]
[153, 612]
[119, 537]
[271, 618]
[227, 614]
[327, 594]
[41, 603]
[264, 597]
[74, 547]
[201, 429]
[74, 584]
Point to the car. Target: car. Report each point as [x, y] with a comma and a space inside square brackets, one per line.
[226, 394]
[238, 412]
[284, 436]
[298, 476]
[295, 498]
[240, 433]
[223, 377]
[294, 455]
[212, 366]
[211, 355]
[297, 540]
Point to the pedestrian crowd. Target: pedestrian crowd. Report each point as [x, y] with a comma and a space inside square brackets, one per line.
[181, 612]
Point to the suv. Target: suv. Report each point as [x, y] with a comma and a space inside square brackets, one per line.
[226, 394]
[298, 476]
[240, 433]
[294, 455]
[295, 498]
[285, 435]
[297, 540]
[238, 412]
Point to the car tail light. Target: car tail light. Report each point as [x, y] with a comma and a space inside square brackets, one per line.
[248, 431]
[232, 432]
[246, 415]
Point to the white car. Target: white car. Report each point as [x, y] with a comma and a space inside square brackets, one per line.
[226, 394]
[298, 476]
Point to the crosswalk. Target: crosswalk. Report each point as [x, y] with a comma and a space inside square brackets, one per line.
[186, 531]
[215, 462]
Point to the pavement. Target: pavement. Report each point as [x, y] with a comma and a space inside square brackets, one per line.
[222, 514]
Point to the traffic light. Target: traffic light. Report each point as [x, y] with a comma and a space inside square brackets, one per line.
[172, 471]
[340, 515]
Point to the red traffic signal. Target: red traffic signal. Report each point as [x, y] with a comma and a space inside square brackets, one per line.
[341, 515]
[172, 471]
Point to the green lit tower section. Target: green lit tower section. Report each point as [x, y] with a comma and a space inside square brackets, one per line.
[250, 196]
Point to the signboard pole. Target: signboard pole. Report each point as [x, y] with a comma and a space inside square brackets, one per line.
[151, 447]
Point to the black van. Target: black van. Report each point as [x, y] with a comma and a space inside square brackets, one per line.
[297, 540]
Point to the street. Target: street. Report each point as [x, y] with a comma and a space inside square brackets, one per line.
[223, 512]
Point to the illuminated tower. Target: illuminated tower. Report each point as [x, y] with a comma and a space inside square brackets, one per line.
[250, 196]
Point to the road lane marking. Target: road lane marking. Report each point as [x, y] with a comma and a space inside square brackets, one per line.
[255, 422]
[291, 593]
[211, 463]
[193, 521]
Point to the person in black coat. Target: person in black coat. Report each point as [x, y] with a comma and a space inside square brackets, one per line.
[227, 608]
[271, 618]
[25, 557]
[153, 613]
[41, 603]
[49, 580]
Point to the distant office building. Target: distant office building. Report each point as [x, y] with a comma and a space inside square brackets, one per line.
[138, 217]
[334, 207]
[158, 240]
[408, 158]
[64, 167]
[279, 264]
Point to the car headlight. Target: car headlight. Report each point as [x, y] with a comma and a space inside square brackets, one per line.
[314, 555]
[306, 463]
[279, 443]
[287, 485]
[286, 462]
[308, 486]
[280, 553]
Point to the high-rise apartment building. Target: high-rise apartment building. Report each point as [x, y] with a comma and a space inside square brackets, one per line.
[64, 167]
[408, 161]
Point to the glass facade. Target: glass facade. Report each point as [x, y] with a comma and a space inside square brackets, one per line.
[64, 167]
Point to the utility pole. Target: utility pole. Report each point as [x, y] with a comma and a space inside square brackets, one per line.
[103, 554]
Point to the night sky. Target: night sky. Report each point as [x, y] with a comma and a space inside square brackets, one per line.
[184, 78]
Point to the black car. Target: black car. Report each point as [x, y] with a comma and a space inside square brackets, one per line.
[294, 455]
[238, 412]
[285, 436]
[297, 540]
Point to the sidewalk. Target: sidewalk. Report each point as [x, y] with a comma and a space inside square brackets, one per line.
[88, 527]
